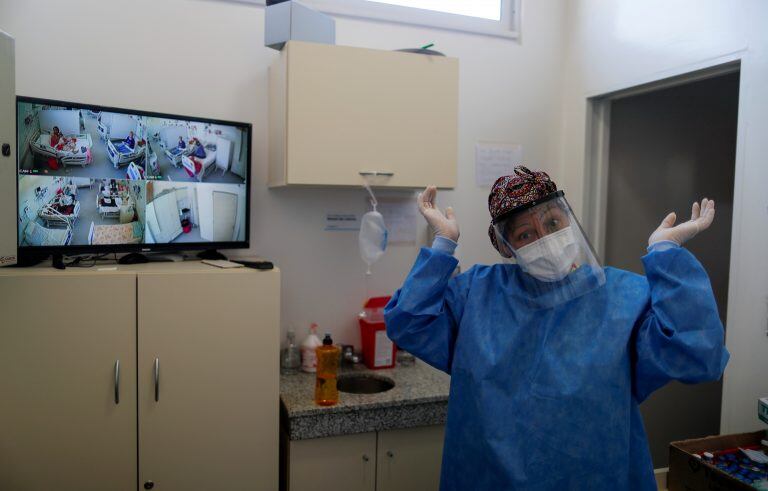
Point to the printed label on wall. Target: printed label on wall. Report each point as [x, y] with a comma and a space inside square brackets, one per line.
[336, 222]
[493, 160]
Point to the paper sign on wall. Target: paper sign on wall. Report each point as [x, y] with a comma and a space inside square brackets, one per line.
[337, 222]
[400, 217]
[493, 160]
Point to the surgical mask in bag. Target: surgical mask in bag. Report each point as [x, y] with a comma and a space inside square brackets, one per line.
[373, 238]
[550, 258]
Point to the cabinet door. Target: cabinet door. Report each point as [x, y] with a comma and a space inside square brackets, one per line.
[8, 208]
[340, 463]
[211, 419]
[61, 426]
[353, 110]
[410, 459]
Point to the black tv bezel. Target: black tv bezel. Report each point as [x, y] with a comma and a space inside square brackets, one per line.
[70, 250]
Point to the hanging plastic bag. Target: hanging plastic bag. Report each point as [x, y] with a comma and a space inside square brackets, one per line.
[373, 234]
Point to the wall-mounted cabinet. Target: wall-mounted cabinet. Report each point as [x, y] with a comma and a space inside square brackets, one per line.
[339, 112]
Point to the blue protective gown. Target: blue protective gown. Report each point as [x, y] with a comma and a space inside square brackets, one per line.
[547, 398]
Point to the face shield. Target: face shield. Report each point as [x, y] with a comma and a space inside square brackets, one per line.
[548, 244]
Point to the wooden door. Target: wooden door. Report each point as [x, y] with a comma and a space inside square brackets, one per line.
[212, 341]
[353, 110]
[8, 206]
[62, 423]
[340, 463]
[410, 459]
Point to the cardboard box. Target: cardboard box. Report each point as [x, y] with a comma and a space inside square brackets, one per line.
[291, 20]
[687, 473]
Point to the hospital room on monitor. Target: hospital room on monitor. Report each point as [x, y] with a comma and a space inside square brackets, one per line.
[197, 151]
[49, 209]
[73, 142]
[61, 211]
[178, 212]
[116, 209]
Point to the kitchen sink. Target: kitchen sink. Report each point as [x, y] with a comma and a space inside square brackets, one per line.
[364, 383]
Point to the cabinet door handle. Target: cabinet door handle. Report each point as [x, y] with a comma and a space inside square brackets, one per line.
[157, 379]
[376, 173]
[366, 458]
[390, 454]
[117, 382]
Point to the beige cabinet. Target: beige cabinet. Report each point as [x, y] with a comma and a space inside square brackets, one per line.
[337, 113]
[409, 459]
[394, 460]
[339, 463]
[68, 382]
[197, 345]
[208, 352]
[8, 208]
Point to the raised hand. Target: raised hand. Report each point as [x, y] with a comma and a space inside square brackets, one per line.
[444, 224]
[701, 218]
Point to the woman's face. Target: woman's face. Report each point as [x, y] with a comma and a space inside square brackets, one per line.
[530, 225]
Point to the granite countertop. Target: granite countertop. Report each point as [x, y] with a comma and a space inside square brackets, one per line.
[419, 398]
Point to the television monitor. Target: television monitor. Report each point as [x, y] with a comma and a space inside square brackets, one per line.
[94, 179]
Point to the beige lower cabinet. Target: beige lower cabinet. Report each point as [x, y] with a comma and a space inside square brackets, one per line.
[197, 345]
[212, 343]
[67, 409]
[338, 463]
[395, 460]
[409, 459]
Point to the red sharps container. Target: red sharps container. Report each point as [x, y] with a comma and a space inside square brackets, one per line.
[378, 350]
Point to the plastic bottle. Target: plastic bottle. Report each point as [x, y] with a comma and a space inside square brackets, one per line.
[328, 356]
[290, 356]
[308, 346]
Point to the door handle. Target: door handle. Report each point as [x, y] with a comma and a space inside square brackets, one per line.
[157, 379]
[117, 382]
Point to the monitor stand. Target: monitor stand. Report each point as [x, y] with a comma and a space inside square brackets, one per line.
[211, 254]
[133, 258]
[57, 261]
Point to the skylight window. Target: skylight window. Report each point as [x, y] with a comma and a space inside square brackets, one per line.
[483, 9]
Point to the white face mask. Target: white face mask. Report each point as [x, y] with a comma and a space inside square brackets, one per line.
[550, 258]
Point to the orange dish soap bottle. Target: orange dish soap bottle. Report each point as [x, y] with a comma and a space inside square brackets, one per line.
[328, 355]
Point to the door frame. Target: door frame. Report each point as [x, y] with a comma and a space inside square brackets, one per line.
[597, 157]
[596, 169]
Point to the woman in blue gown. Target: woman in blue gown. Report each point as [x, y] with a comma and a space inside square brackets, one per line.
[550, 357]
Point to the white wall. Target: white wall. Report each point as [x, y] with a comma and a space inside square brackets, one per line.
[67, 120]
[624, 43]
[509, 91]
[121, 125]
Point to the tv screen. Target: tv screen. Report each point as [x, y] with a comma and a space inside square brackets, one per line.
[95, 179]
